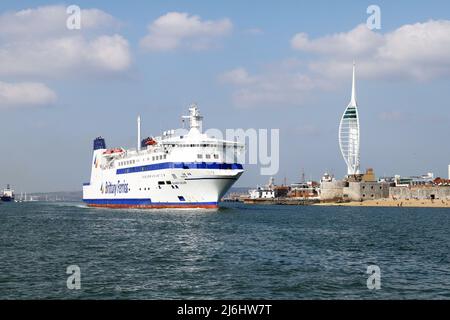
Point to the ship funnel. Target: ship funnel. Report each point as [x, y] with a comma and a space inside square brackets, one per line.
[99, 143]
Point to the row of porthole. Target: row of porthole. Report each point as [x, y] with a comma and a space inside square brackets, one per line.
[123, 163]
[154, 158]
[174, 186]
[207, 156]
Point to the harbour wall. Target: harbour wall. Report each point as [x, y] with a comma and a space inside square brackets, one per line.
[421, 193]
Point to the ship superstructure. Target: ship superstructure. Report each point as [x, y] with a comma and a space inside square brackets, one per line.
[170, 171]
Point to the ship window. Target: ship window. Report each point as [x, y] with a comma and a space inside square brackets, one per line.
[199, 156]
[208, 156]
[165, 156]
[168, 182]
[181, 198]
[216, 156]
[161, 182]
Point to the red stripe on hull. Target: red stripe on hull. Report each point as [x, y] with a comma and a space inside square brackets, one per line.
[157, 206]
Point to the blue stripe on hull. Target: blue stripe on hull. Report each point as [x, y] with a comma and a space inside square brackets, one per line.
[137, 202]
[143, 202]
[180, 165]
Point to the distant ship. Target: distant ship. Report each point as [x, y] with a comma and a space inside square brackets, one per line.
[170, 171]
[8, 194]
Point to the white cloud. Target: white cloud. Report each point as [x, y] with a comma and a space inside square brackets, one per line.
[357, 42]
[36, 42]
[25, 94]
[276, 87]
[238, 76]
[180, 30]
[49, 21]
[417, 51]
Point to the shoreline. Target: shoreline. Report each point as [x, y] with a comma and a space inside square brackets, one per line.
[409, 203]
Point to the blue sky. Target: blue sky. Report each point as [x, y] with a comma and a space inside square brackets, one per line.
[252, 64]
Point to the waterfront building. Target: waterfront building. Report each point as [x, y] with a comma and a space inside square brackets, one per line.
[264, 192]
[425, 179]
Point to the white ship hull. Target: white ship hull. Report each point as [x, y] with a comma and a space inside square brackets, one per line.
[192, 188]
[184, 171]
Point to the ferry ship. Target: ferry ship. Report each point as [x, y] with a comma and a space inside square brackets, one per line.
[170, 171]
[7, 195]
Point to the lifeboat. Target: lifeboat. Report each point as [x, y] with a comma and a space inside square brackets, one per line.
[149, 142]
[113, 151]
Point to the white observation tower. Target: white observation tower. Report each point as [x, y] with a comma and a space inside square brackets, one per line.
[349, 133]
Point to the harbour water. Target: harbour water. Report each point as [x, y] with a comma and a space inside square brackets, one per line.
[237, 252]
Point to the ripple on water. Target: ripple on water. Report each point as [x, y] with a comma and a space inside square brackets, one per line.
[238, 251]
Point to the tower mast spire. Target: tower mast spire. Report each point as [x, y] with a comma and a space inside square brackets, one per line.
[353, 100]
[349, 132]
